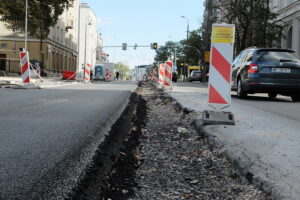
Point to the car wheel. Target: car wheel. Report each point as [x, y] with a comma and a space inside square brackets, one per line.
[296, 97]
[241, 92]
[272, 95]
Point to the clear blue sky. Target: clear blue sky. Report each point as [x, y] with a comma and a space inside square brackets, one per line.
[143, 22]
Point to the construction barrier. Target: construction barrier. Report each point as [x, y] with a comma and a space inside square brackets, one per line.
[108, 76]
[69, 75]
[220, 66]
[154, 75]
[168, 73]
[87, 75]
[25, 66]
[150, 76]
[161, 75]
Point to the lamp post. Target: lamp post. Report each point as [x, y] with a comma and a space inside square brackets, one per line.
[26, 24]
[175, 53]
[187, 34]
[188, 27]
[86, 24]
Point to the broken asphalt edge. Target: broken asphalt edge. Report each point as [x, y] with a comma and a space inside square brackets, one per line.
[241, 163]
[67, 180]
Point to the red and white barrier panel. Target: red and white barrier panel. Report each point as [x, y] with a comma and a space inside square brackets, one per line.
[220, 66]
[108, 76]
[168, 73]
[161, 75]
[87, 76]
[154, 76]
[150, 76]
[25, 66]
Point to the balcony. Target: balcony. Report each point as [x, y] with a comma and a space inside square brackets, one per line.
[70, 25]
[70, 4]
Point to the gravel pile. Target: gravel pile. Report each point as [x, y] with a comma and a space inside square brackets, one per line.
[171, 161]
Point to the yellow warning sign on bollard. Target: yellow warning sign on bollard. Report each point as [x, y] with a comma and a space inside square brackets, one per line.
[223, 34]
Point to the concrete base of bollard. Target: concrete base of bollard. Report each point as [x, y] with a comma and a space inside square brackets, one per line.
[26, 86]
[210, 117]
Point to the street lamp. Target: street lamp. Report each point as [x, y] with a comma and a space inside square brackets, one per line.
[26, 24]
[86, 24]
[188, 26]
[187, 34]
[175, 54]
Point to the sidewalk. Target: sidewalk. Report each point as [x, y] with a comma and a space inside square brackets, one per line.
[47, 82]
[265, 143]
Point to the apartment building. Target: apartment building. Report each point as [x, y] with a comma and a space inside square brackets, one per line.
[59, 50]
[289, 14]
[88, 37]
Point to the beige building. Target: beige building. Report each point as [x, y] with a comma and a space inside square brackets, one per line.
[59, 51]
[289, 13]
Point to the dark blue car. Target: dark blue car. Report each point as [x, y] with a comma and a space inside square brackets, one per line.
[272, 71]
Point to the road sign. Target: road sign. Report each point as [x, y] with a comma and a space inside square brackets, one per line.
[220, 65]
[25, 66]
[168, 73]
[161, 75]
[207, 56]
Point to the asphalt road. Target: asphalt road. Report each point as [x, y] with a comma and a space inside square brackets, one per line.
[265, 140]
[48, 136]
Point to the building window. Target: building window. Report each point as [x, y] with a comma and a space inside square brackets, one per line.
[3, 45]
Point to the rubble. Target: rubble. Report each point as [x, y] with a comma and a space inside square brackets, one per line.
[168, 165]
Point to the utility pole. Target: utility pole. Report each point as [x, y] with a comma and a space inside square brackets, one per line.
[26, 24]
[85, 38]
[187, 35]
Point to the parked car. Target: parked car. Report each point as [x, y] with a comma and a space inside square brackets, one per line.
[272, 71]
[195, 76]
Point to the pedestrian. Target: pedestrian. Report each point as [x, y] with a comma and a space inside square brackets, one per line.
[117, 75]
[91, 76]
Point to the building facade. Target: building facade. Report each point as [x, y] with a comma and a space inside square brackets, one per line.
[289, 14]
[88, 37]
[58, 52]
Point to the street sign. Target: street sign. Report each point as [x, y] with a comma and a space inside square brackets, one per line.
[220, 65]
[161, 75]
[207, 56]
[25, 66]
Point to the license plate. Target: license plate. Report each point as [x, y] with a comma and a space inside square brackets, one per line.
[281, 70]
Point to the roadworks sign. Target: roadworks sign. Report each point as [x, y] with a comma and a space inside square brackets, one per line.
[220, 65]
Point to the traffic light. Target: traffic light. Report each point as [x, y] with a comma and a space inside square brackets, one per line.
[181, 64]
[154, 45]
[124, 46]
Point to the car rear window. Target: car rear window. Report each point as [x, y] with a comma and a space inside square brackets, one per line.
[276, 56]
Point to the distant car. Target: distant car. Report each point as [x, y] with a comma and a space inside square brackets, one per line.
[195, 76]
[272, 71]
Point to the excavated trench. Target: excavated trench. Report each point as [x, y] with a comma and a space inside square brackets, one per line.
[153, 152]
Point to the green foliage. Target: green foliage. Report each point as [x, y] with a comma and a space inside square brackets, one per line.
[165, 52]
[41, 15]
[193, 47]
[123, 70]
[256, 24]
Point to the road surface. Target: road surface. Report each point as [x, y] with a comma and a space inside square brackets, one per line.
[265, 140]
[48, 136]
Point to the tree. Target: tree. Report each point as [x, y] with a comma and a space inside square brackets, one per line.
[256, 24]
[122, 69]
[165, 52]
[42, 15]
[194, 47]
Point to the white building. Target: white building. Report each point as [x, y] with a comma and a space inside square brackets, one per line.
[59, 50]
[88, 36]
[289, 13]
